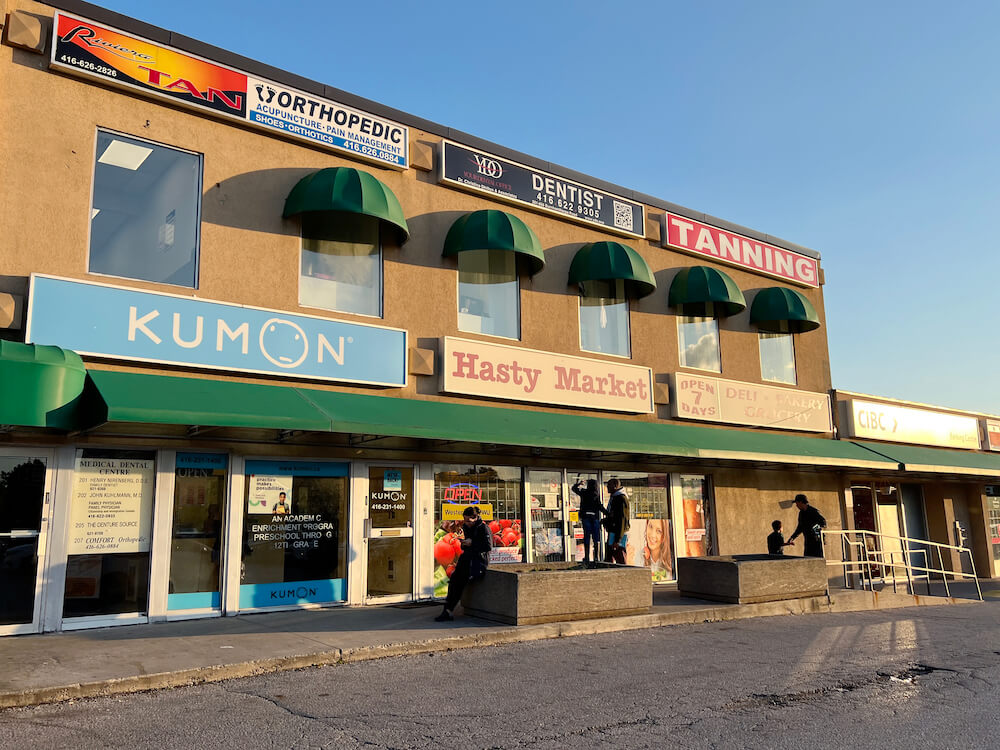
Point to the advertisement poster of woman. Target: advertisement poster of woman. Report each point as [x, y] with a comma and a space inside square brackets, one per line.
[649, 547]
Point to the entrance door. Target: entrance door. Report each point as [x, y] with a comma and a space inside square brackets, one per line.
[389, 533]
[546, 504]
[575, 536]
[24, 497]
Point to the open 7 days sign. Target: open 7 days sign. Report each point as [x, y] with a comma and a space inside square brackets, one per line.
[129, 324]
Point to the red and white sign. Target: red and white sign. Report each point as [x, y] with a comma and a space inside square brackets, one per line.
[479, 368]
[735, 402]
[993, 435]
[694, 237]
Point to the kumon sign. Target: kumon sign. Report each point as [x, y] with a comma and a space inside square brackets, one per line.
[696, 238]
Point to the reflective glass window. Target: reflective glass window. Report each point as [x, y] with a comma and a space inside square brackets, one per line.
[341, 264]
[145, 215]
[488, 293]
[604, 318]
[698, 340]
[648, 542]
[777, 357]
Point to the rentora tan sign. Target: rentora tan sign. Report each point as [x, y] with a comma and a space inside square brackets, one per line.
[478, 368]
[735, 402]
[903, 424]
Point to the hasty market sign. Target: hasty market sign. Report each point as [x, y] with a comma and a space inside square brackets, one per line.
[128, 324]
[91, 50]
[903, 424]
[693, 237]
[516, 183]
[477, 368]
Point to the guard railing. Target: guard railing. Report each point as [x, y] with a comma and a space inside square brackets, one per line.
[865, 555]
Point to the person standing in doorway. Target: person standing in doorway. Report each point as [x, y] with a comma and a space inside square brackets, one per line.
[617, 522]
[472, 563]
[810, 526]
[591, 510]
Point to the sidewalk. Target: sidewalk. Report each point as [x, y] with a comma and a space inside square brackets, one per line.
[85, 663]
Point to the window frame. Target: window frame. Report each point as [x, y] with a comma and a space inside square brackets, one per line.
[198, 208]
[381, 276]
[680, 347]
[628, 324]
[458, 299]
[760, 356]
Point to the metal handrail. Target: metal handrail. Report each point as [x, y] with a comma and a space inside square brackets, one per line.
[885, 559]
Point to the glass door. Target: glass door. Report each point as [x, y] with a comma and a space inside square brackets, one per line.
[24, 497]
[546, 504]
[575, 535]
[389, 533]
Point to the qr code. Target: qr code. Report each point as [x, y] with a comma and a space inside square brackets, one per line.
[623, 216]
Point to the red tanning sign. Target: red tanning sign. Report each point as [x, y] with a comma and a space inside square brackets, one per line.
[702, 239]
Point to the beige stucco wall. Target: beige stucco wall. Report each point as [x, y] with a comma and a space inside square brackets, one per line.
[250, 255]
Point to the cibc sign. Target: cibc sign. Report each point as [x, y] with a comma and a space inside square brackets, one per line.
[904, 424]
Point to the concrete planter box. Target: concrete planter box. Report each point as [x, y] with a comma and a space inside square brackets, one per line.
[554, 592]
[747, 579]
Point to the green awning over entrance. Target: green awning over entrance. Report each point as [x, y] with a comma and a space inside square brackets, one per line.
[347, 190]
[606, 261]
[704, 291]
[779, 309]
[39, 385]
[158, 399]
[918, 458]
[495, 230]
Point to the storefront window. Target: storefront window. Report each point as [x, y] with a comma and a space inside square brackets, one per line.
[294, 533]
[649, 526]
[604, 318]
[777, 357]
[145, 216]
[488, 293]
[546, 501]
[22, 492]
[196, 541]
[582, 477]
[698, 340]
[497, 492]
[698, 538]
[341, 266]
[111, 514]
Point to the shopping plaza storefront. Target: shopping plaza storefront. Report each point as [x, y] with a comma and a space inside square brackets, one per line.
[261, 341]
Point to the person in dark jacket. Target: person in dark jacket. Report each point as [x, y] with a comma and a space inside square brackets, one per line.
[617, 523]
[591, 510]
[776, 540]
[811, 521]
[473, 561]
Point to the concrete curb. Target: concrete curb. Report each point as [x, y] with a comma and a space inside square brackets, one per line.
[855, 602]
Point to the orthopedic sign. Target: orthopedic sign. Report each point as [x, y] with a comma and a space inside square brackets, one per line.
[109, 321]
[87, 49]
[696, 238]
[903, 424]
[477, 368]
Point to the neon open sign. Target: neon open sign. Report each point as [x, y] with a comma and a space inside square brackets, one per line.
[463, 492]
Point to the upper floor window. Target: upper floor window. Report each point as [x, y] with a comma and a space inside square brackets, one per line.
[604, 317]
[489, 293]
[698, 342]
[777, 357]
[341, 263]
[145, 215]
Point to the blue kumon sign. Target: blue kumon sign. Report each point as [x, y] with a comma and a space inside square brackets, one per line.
[109, 321]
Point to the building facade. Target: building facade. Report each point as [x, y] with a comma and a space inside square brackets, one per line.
[261, 341]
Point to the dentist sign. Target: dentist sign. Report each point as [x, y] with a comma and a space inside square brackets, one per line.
[108, 321]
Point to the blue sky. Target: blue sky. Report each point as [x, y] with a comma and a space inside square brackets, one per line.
[865, 130]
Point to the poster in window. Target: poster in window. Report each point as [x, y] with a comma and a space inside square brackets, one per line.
[270, 494]
[112, 506]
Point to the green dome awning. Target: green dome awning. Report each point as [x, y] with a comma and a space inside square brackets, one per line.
[41, 385]
[347, 190]
[495, 230]
[703, 291]
[604, 261]
[781, 310]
